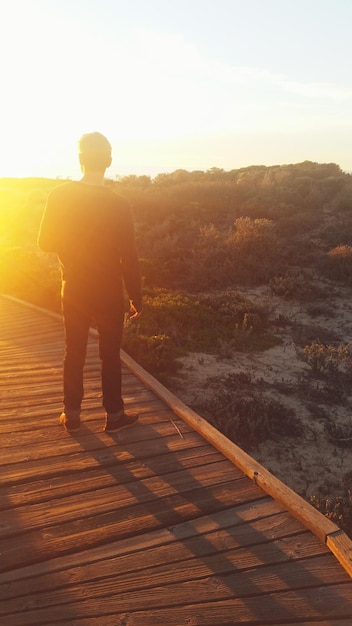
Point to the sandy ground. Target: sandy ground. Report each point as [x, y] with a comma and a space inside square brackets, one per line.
[312, 463]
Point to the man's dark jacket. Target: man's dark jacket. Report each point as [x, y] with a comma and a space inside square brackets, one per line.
[91, 230]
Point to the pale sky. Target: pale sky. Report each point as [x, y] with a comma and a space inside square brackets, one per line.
[189, 84]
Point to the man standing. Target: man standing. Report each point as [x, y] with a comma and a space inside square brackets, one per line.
[90, 228]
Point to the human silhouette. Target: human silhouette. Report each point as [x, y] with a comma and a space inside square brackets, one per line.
[90, 227]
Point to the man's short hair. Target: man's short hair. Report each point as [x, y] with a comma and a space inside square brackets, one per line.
[94, 151]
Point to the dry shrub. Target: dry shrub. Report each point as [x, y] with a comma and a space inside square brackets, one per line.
[321, 357]
[332, 366]
[288, 286]
[202, 257]
[255, 248]
[247, 417]
[336, 508]
[325, 358]
[339, 264]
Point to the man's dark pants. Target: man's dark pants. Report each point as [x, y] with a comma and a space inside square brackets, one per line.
[79, 310]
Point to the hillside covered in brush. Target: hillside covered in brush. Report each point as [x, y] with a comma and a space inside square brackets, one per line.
[203, 231]
[201, 237]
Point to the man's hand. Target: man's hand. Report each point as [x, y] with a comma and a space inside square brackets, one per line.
[134, 314]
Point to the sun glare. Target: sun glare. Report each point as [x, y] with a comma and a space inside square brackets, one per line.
[165, 96]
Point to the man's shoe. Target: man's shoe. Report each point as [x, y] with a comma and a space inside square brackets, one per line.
[119, 421]
[71, 421]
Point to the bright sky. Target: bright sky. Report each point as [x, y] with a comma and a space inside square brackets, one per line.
[189, 84]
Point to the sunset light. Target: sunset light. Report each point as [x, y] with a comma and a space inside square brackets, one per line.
[232, 85]
[175, 312]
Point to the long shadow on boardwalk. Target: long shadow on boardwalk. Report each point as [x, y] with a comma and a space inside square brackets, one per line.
[172, 539]
[147, 528]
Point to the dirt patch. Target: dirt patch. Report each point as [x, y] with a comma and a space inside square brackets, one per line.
[314, 463]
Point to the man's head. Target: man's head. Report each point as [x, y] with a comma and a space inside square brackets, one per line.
[94, 152]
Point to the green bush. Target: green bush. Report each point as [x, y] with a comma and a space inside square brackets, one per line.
[178, 316]
[205, 323]
[196, 322]
[156, 353]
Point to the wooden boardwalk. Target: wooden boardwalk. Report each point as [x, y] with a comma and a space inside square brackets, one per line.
[166, 524]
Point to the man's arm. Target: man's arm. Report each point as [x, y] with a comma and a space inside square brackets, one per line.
[130, 265]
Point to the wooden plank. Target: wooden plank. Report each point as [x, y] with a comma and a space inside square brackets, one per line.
[152, 421]
[122, 620]
[20, 378]
[103, 499]
[341, 546]
[46, 489]
[311, 604]
[307, 604]
[129, 519]
[190, 559]
[155, 434]
[67, 444]
[92, 417]
[148, 541]
[331, 622]
[152, 589]
[92, 404]
[22, 402]
[108, 454]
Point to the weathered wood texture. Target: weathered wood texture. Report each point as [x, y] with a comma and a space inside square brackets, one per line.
[157, 526]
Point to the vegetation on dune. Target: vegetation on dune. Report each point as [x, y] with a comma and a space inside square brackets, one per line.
[203, 231]
[202, 236]
[174, 323]
[245, 415]
[205, 238]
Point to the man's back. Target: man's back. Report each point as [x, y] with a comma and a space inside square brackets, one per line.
[91, 230]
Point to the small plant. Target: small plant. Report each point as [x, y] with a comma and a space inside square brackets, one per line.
[339, 264]
[247, 417]
[232, 306]
[332, 372]
[328, 359]
[157, 353]
[292, 285]
[344, 355]
[241, 339]
[320, 357]
[336, 508]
